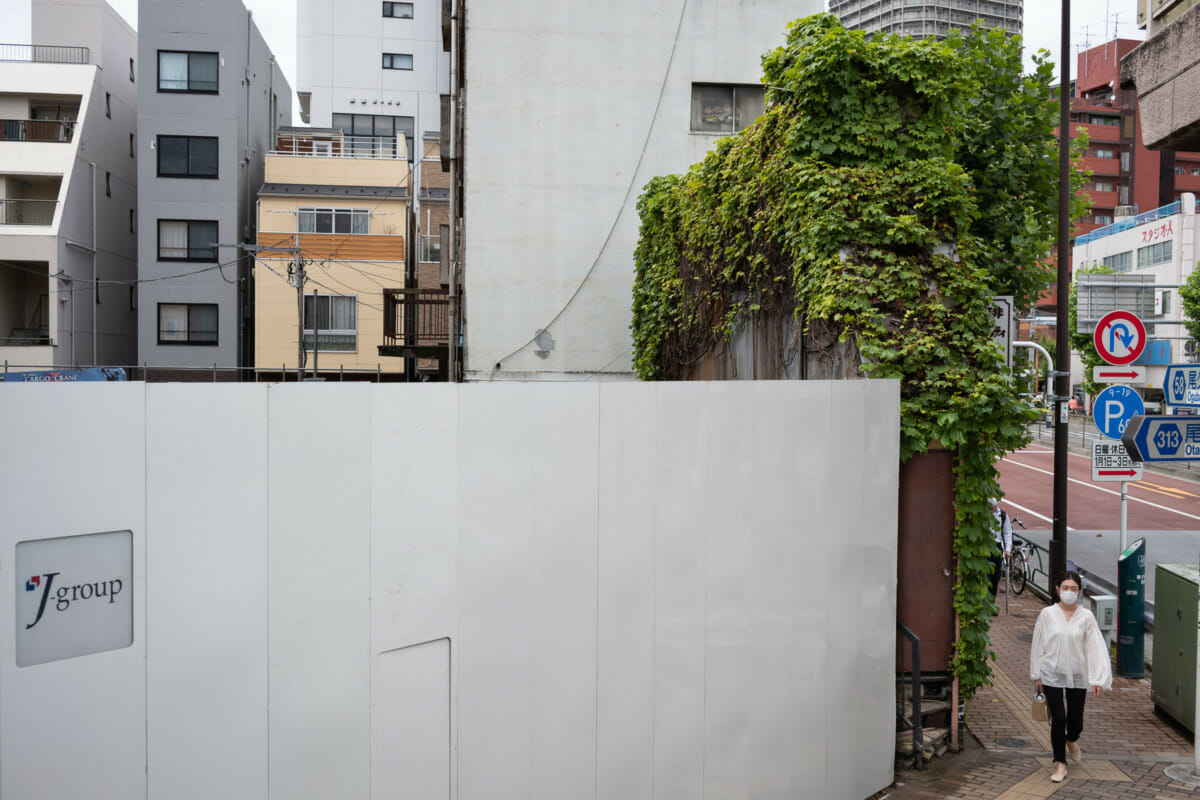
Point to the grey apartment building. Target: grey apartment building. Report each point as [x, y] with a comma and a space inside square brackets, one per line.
[928, 17]
[209, 97]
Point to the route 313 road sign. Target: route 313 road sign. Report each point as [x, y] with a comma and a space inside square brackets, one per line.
[1110, 462]
[1163, 438]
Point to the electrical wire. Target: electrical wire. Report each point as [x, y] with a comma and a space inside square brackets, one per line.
[624, 202]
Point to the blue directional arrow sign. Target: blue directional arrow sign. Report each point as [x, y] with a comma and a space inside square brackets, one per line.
[1113, 409]
[1182, 385]
[1163, 438]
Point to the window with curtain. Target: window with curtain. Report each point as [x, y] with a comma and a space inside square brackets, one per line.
[398, 10]
[183, 71]
[336, 317]
[397, 61]
[334, 220]
[187, 323]
[187, 240]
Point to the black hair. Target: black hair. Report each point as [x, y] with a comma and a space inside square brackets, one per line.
[1068, 575]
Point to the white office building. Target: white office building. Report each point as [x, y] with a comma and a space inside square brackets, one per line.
[68, 189]
[929, 17]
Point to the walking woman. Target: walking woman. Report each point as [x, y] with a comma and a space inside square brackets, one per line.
[1068, 656]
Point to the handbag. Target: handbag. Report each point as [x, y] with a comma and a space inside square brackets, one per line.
[1039, 707]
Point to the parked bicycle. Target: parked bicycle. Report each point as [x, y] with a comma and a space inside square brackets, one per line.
[1020, 570]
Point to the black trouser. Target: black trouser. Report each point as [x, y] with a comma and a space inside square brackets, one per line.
[1066, 723]
[996, 559]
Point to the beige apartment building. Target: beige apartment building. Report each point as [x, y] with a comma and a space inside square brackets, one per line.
[340, 204]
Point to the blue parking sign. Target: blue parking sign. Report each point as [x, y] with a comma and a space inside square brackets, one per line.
[1113, 409]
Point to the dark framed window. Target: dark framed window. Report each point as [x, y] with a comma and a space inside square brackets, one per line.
[131, 71]
[108, 105]
[398, 10]
[132, 221]
[132, 146]
[187, 323]
[397, 61]
[184, 71]
[371, 131]
[108, 184]
[725, 108]
[187, 156]
[187, 240]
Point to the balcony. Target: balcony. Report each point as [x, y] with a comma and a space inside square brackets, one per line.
[338, 145]
[1101, 166]
[27, 212]
[36, 130]
[1101, 199]
[416, 323]
[44, 54]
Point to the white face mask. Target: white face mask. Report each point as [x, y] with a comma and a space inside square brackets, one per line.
[1069, 597]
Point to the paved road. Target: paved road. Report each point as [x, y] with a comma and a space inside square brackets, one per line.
[1165, 509]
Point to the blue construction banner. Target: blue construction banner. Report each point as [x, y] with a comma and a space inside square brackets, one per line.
[66, 375]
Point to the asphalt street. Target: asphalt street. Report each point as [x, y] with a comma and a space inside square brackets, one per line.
[1163, 508]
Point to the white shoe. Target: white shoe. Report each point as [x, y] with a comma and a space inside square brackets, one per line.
[1058, 777]
[1074, 752]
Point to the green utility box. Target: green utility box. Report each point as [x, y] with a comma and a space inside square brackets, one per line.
[1173, 679]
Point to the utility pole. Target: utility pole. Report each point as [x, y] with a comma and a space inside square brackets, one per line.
[296, 275]
[1062, 360]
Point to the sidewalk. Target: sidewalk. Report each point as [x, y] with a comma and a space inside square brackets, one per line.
[1125, 744]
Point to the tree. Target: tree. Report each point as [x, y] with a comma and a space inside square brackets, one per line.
[890, 190]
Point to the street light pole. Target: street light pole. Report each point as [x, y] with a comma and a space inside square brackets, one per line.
[1062, 376]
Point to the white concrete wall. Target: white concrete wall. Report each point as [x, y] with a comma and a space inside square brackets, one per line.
[563, 128]
[361, 591]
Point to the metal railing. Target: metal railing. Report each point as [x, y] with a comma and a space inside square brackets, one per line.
[165, 373]
[1129, 222]
[36, 130]
[1039, 564]
[44, 53]
[416, 317]
[27, 212]
[340, 147]
[915, 691]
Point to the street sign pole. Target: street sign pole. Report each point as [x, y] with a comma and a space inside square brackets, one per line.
[1124, 515]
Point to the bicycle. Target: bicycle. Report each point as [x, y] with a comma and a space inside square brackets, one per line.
[1017, 563]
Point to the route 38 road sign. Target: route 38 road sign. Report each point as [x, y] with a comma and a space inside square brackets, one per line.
[1114, 407]
[1110, 462]
[1163, 438]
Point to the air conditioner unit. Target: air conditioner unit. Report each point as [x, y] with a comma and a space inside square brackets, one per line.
[1120, 212]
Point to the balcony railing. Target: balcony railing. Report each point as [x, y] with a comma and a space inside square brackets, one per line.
[415, 317]
[339, 147]
[27, 212]
[44, 54]
[36, 130]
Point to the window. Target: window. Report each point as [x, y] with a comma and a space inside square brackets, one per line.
[1154, 254]
[108, 184]
[398, 10]
[322, 148]
[187, 156]
[187, 72]
[1102, 219]
[132, 221]
[1105, 152]
[108, 105]
[1101, 120]
[1103, 186]
[333, 220]
[1196, 170]
[397, 61]
[96, 289]
[718, 108]
[131, 71]
[132, 146]
[187, 323]
[337, 318]
[1179, 170]
[187, 240]
[375, 133]
[1121, 262]
[1125, 161]
[1123, 195]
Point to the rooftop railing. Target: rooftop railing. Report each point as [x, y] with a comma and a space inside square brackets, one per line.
[340, 147]
[27, 212]
[1129, 222]
[44, 53]
[36, 130]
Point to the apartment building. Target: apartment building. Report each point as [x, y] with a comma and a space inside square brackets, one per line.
[572, 107]
[340, 205]
[68, 189]
[928, 17]
[372, 69]
[210, 96]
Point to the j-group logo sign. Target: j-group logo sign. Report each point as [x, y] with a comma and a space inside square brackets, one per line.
[74, 596]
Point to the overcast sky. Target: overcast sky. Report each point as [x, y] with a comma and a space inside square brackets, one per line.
[1092, 21]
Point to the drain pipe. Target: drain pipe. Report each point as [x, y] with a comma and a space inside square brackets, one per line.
[95, 282]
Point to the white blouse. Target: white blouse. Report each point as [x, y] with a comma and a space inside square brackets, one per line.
[1069, 653]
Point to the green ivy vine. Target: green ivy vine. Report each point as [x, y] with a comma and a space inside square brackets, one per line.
[892, 187]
